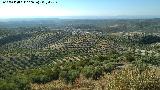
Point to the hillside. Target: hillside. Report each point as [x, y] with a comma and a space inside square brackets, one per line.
[81, 54]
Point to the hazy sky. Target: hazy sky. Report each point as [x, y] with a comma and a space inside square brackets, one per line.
[81, 8]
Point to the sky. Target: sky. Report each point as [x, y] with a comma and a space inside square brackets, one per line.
[80, 8]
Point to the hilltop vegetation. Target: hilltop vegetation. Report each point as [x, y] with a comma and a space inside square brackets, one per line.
[80, 54]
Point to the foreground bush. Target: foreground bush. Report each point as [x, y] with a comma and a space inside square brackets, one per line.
[44, 75]
[15, 83]
[92, 72]
[133, 79]
[69, 76]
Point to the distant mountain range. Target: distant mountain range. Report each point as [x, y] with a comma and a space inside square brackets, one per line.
[79, 17]
[64, 21]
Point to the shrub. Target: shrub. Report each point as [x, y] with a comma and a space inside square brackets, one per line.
[69, 76]
[109, 67]
[72, 75]
[129, 57]
[22, 82]
[140, 65]
[152, 60]
[19, 82]
[53, 73]
[40, 78]
[44, 75]
[4, 85]
[92, 72]
[102, 58]
[98, 72]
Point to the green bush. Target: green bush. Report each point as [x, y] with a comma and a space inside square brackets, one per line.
[69, 76]
[52, 73]
[40, 78]
[4, 85]
[140, 65]
[152, 60]
[129, 57]
[98, 72]
[22, 82]
[109, 67]
[19, 82]
[102, 58]
[44, 76]
[92, 72]
[88, 71]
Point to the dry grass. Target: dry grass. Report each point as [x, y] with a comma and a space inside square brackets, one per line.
[131, 79]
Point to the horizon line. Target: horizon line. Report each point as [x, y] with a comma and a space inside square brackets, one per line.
[86, 17]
